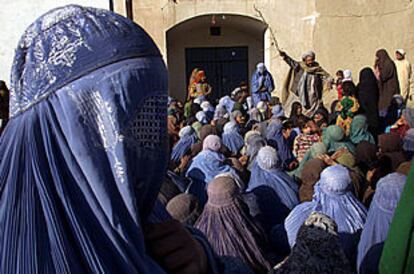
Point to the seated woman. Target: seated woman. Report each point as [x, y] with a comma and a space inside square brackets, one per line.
[253, 143]
[332, 197]
[391, 147]
[404, 123]
[232, 138]
[378, 221]
[184, 208]
[276, 193]
[359, 130]
[228, 226]
[188, 137]
[334, 139]
[311, 174]
[206, 165]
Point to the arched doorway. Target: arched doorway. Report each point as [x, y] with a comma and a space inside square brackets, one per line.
[226, 46]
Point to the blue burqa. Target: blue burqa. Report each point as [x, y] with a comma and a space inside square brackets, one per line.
[232, 138]
[207, 165]
[85, 150]
[334, 198]
[277, 180]
[204, 167]
[259, 81]
[271, 195]
[381, 211]
[183, 146]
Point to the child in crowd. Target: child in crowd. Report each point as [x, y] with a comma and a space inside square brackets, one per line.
[305, 140]
[347, 107]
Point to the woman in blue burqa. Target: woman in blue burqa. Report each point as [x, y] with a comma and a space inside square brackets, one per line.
[262, 84]
[85, 152]
[333, 197]
[275, 192]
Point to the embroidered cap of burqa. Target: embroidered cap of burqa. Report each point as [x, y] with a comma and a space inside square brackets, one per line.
[84, 153]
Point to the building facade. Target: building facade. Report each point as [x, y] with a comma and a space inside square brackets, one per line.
[227, 38]
[211, 33]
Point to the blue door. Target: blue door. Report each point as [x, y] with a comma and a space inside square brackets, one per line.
[225, 68]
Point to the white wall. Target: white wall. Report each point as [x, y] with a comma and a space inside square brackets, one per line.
[17, 15]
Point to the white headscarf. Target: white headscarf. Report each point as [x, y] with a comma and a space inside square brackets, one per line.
[267, 158]
[185, 131]
[201, 117]
[347, 76]
[309, 53]
[212, 142]
[206, 106]
[261, 67]
[249, 102]
[401, 51]
[262, 107]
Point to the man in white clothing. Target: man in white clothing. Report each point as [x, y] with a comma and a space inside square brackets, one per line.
[404, 74]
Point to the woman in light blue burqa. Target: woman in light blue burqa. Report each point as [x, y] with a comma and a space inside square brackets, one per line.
[85, 151]
[208, 164]
[262, 85]
[276, 193]
[188, 137]
[386, 198]
[232, 138]
[334, 198]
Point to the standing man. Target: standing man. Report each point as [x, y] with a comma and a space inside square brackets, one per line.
[404, 73]
[262, 85]
[305, 83]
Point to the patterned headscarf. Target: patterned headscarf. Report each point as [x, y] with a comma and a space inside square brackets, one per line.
[317, 249]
